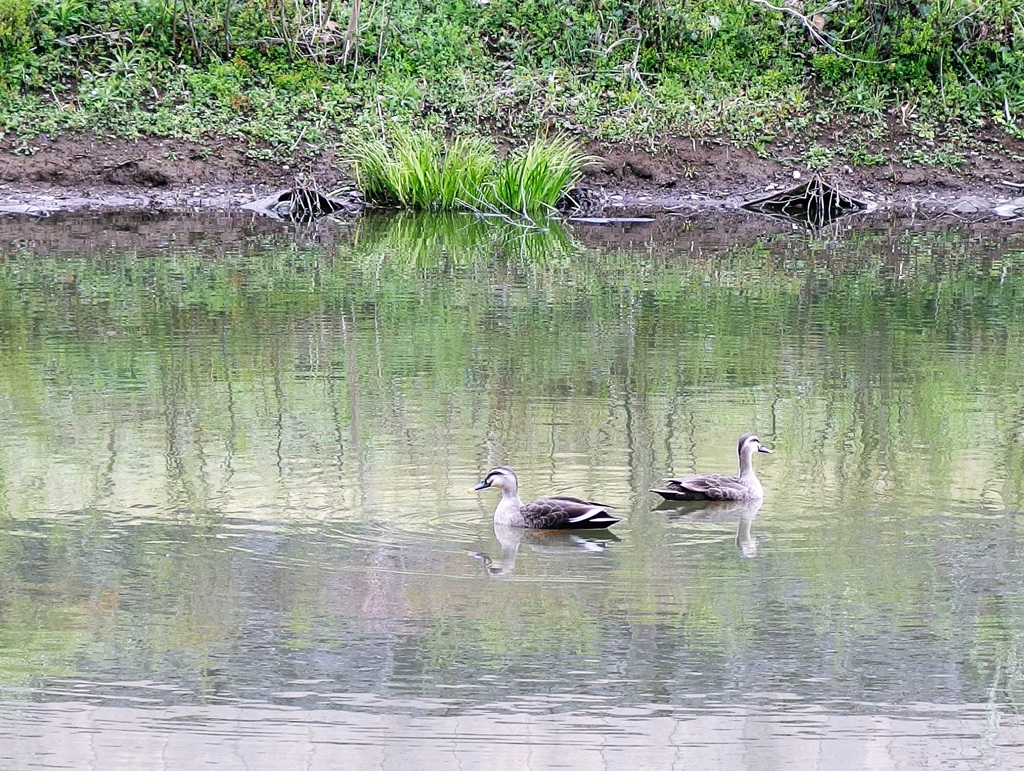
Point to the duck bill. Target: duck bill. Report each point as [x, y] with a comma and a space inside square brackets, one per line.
[764, 449]
[482, 486]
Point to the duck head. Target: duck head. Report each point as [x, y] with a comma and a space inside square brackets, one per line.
[749, 444]
[501, 477]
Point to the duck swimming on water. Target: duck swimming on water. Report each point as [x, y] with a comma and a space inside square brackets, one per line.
[554, 513]
[719, 487]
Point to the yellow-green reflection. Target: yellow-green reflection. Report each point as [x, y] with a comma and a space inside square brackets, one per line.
[285, 432]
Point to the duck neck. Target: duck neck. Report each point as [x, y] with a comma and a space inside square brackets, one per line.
[746, 467]
[511, 495]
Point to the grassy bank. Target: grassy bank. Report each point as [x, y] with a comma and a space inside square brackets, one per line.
[298, 75]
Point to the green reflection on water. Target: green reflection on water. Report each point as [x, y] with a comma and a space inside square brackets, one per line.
[425, 330]
[369, 382]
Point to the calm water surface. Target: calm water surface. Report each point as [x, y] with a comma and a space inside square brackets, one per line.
[235, 526]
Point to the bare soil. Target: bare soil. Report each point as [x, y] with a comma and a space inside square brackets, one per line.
[82, 172]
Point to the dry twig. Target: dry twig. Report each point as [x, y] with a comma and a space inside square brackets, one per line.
[814, 28]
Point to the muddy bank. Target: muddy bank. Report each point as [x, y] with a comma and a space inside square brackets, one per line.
[75, 173]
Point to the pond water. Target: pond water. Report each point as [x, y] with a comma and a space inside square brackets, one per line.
[235, 526]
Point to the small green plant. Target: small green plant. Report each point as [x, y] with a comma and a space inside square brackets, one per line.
[65, 16]
[818, 157]
[124, 62]
[863, 157]
[24, 148]
[415, 170]
[937, 156]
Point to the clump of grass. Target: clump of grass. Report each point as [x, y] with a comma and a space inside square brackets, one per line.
[371, 163]
[416, 170]
[403, 172]
[468, 164]
[536, 179]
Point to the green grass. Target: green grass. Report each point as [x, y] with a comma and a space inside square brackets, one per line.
[416, 170]
[535, 180]
[619, 71]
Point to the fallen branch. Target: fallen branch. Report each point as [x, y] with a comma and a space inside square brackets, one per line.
[303, 204]
[122, 164]
[815, 203]
[814, 30]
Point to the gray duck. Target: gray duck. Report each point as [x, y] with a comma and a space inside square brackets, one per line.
[555, 513]
[719, 487]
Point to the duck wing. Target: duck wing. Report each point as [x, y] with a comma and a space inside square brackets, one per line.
[565, 513]
[707, 487]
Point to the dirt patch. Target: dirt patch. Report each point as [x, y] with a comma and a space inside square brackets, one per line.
[83, 172]
[692, 174]
[75, 172]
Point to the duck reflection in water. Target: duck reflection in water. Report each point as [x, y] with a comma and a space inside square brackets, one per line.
[556, 543]
[742, 512]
